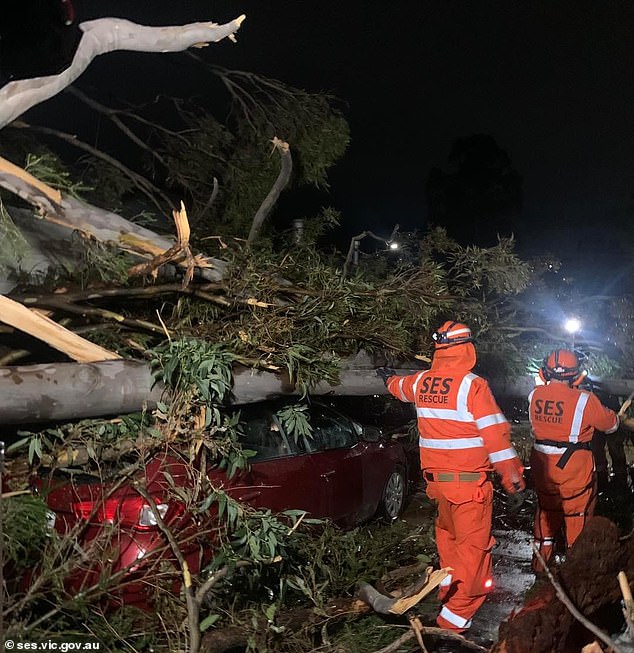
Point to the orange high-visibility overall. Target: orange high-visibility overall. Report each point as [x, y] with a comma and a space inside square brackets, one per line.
[563, 419]
[463, 437]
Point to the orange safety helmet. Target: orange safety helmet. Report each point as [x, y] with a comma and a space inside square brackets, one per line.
[450, 334]
[562, 365]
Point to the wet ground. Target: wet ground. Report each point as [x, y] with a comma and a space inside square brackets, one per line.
[513, 576]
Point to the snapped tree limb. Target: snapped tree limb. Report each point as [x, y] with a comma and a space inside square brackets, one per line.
[280, 184]
[100, 37]
[53, 334]
[102, 225]
[408, 598]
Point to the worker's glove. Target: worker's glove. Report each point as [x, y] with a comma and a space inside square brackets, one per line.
[515, 501]
[385, 373]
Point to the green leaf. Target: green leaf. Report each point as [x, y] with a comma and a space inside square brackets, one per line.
[15, 446]
[208, 621]
[270, 612]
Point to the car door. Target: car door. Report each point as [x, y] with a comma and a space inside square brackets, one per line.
[338, 461]
[284, 473]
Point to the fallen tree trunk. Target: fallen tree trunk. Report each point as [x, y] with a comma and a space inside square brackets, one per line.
[61, 391]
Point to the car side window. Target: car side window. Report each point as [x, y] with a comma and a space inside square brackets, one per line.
[262, 433]
[332, 431]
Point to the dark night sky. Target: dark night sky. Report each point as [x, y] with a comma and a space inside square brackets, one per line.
[551, 81]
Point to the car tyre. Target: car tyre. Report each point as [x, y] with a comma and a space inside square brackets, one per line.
[393, 498]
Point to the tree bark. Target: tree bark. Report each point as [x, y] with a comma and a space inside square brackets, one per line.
[280, 184]
[100, 37]
[103, 225]
[62, 391]
[589, 576]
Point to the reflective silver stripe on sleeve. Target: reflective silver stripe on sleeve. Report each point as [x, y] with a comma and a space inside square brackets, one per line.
[490, 420]
[504, 454]
[577, 419]
[415, 385]
[616, 426]
[453, 443]
[400, 389]
[453, 618]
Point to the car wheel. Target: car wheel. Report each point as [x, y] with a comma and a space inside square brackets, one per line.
[393, 498]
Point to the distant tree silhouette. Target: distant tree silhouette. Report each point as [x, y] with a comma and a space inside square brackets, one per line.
[480, 194]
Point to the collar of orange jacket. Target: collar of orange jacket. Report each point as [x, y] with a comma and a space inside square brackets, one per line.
[459, 357]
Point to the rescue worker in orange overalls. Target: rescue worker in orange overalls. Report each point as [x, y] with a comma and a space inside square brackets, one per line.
[563, 419]
[463, 437]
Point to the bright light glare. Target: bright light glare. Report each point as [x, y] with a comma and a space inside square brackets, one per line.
[572, 325]
[393, 245]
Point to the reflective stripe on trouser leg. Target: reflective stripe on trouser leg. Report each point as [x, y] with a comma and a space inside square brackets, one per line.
[549, 520]
[443, 586]
[454, 619]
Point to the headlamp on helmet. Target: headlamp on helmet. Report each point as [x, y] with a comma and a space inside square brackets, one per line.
[562, 365]
[450, 334]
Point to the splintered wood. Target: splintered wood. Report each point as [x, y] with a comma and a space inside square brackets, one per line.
[406, 599]
[53, 334]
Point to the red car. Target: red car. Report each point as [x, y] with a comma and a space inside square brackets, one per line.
[342, 471]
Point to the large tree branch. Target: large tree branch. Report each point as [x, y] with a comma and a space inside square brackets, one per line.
[279, 185]
[101, 224]
[100, 37]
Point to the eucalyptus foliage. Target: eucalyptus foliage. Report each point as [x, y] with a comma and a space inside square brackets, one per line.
[13, 245]
[24, 530]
